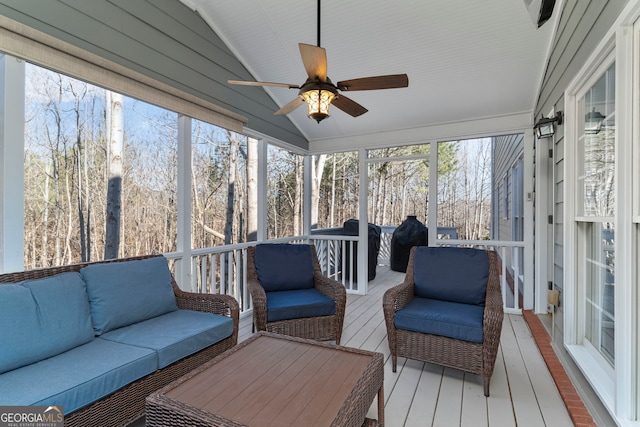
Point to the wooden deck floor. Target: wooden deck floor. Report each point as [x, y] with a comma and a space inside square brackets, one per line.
[421, 394]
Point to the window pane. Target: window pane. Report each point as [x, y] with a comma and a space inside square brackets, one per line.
[285, 174]
[338, 190]
[596, 207]
[600, 281]
[464, 188]
[69, 124]
[398, 189]
[596, 145]
[219, 177]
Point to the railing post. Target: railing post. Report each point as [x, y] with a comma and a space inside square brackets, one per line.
[363, 227]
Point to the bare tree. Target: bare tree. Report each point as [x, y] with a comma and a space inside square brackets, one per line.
[252, 189]
[115, 165]
[317, 171]
[231, 186]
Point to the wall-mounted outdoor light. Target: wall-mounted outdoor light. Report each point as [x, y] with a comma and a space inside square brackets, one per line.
[544, 128]
[593, 122]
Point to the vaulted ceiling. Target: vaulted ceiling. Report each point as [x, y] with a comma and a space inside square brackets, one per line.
[466, 60]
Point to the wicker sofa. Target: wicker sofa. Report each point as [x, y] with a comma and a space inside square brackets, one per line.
[448, 311]
[98, 338]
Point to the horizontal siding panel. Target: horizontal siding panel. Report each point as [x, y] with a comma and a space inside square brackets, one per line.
[588, 32]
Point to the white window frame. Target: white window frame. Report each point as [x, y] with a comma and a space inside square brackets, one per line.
[616, 388]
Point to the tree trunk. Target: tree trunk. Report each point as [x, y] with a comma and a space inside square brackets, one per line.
[45, 216]
[297, 200]
[316, 180]
[114, 189]
[333, 192]
[252, 189]
[231, 184]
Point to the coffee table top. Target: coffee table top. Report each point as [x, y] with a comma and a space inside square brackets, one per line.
[277, 380]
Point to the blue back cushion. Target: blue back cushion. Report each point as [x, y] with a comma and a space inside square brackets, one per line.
[451, 274]
[42, 318]
[284, 267]
[127, 292]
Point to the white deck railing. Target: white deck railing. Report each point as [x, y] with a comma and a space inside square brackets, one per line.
[222, 269]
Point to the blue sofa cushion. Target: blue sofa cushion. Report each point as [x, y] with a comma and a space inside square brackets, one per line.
[284, 267]
[451, 274]
[175, 335]
[42, 318]
[436, 317]
[123, 293]
[77, 377]
[285, 305]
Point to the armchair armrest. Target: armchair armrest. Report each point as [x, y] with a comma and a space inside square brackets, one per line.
[224, 305]
[259, 299]
[493, 313]
[329, 287]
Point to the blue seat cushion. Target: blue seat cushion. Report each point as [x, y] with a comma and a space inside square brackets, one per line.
[284, 267]
[448, 319]
[175, 335]
[451, 274]
[128, 292]
[285, 305]
[42, 318]
[77, 377]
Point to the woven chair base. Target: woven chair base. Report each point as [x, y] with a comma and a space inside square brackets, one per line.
[315, 328]
[444, 351]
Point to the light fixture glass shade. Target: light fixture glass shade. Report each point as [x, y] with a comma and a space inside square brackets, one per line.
[593, 122]
[318, 102]
[545, 127]
[544, 130]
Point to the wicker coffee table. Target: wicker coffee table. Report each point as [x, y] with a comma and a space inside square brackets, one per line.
[275, 380]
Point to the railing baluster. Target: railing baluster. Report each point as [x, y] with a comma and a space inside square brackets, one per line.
[223, 272]
[238, 269]
[194, 269]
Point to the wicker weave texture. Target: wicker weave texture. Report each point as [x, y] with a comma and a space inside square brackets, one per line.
[323, 328]
[127, 404]
[477, 358]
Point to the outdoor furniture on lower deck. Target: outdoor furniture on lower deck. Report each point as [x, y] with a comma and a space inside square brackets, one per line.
[421, 394]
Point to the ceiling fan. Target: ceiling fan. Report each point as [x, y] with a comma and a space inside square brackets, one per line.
[319, 92]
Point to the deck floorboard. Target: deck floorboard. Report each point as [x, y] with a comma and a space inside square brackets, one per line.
[421, 394]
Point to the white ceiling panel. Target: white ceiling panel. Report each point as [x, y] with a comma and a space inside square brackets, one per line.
[465, 59]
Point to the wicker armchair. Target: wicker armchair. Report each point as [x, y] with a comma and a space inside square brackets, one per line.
[437, 280]
[281, 308]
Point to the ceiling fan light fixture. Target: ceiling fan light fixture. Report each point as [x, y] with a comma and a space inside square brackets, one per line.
[318, 102]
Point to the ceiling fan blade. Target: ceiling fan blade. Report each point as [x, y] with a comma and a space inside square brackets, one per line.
[349, 106]
[246, 83]
[391, 81]
[289, 107]
[314, 59]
